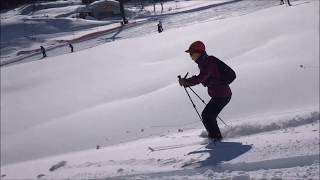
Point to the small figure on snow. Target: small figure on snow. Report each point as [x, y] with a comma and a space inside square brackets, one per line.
[282, 2]
[218, 89]
[160, 29]
[71, 47]
[43, 50]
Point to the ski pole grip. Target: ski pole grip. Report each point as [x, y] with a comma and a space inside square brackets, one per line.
[179, 78]
[185, 76]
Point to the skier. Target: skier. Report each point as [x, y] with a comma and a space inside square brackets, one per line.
[160, 29]
[282, 2]
[288, 1]
[43, 50]
[71, 47]
[210, 76]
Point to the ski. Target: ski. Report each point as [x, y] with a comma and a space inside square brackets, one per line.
[162, 148]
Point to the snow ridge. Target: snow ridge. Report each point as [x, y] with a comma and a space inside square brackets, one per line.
[250, 129]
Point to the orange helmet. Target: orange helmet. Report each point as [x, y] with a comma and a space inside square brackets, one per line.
[196, 47]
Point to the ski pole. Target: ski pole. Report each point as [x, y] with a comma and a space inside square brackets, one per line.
[194, 106]
[197, 95]
[193, 90]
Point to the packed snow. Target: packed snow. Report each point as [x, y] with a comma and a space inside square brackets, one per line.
[291, 152]
[116, 111]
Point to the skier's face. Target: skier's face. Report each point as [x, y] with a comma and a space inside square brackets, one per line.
[194, 56]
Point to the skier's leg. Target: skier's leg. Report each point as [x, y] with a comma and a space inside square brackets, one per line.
[220, 104]
[289, 2]
[206, 118]
[210, 114]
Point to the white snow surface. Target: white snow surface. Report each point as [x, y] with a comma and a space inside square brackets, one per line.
[123, 96]
[288, 153]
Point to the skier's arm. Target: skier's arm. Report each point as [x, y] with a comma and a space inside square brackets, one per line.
[201, 78]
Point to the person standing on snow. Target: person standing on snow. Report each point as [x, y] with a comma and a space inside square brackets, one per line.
[282, 2]
[71, 47]
[160, 29]
[210, 77]
[43, 50]
[288, 1]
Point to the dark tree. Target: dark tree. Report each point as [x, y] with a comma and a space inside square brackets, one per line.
[124, 20]
[9, 4]
[141, 3]
[161, 2]
[87, 1]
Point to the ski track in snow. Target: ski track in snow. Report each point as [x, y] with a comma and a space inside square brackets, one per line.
[294, 155]
[191, 165]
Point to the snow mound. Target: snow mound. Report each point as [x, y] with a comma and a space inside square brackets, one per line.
[254, 127]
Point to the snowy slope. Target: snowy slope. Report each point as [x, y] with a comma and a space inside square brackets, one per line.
[291, 152]
[33, 30]
[26, 49]
[52, 22]
[128, 89]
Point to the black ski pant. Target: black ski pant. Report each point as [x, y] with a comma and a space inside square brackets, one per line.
[210, 114]
[288, 1]
[281, 2]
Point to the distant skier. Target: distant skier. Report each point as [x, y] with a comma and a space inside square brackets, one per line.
[160, 29]
[212, 75]
[43, 50]
[282, 2]
[71, 47]
[288, 1]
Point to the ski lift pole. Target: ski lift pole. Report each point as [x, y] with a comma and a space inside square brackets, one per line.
[194, 106]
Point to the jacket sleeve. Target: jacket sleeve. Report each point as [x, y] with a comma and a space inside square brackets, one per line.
[201, 78]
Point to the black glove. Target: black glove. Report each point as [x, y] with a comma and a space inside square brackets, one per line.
[183, 82]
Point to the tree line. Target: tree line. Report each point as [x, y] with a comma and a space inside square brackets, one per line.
[9, 4]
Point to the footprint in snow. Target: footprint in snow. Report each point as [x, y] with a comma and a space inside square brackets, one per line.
[58, 165]
[40, 176]
[120, 170]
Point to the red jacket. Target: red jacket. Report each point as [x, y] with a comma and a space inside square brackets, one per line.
[209, 72]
